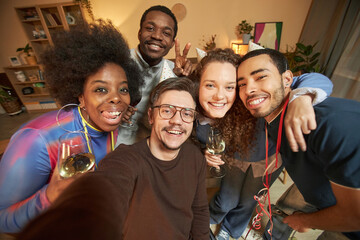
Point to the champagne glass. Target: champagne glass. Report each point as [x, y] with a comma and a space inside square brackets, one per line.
[132, 120]
[75, 154]
[215, 144]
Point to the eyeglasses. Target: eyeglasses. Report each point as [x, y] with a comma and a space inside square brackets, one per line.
[167, 111]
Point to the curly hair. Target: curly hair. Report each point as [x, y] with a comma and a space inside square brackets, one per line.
[81, 52]
[238, 125]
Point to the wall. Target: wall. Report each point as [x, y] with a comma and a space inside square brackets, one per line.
[204, 18]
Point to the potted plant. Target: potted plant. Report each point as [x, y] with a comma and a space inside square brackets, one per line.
[303, 59]
[86, 4]
[10, 103]
[31, 60]
[243, 31]
[210, 43]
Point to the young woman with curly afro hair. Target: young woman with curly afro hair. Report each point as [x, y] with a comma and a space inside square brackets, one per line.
[220, 107]
[90, 68]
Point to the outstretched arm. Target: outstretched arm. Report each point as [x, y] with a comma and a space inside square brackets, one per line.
[91, 208]
[346, 210]
[336, 145]
[24, 172]
[310, 88]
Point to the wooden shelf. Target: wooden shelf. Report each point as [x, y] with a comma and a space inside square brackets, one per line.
[58, 26]
[46, 19]
[28, 82]
[23, 66]
[31, 20]
[39, 40]
[34, 95]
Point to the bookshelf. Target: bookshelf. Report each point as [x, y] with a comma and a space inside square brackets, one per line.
[40, 23]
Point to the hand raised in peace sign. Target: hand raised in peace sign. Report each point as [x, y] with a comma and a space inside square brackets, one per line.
[183, 66]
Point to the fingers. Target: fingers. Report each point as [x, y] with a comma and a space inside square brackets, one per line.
[213, 160]
[295, 138]
[177, 48]
[58, 184]
[178, 71]
[312, 124]
[186, 49]
[299, 120]
[187, 68]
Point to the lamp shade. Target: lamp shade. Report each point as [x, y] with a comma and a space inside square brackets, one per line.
[239, 48]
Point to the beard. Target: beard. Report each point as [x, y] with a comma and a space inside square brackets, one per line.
[277, 99]
[166, 146]
[171, 148]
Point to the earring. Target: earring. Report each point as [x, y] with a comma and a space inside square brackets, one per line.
[88, 117]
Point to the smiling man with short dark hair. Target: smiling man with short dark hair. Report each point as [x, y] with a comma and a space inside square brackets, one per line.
[158, 29]
[327, 174]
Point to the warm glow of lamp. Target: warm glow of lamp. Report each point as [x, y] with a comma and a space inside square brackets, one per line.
[239, 48]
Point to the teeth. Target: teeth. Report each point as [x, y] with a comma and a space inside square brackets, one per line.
[154, 46]
[174, 132]
[115, 113]
[256, 101]
[218, 104]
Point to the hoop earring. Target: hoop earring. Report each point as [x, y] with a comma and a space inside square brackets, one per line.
[88, 117]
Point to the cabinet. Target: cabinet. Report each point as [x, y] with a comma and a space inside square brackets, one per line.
[40, 23]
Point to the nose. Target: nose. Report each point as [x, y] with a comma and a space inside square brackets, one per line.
[156, 34]
[176, 119]
[115, 97]
[219, 95]
[250, 87]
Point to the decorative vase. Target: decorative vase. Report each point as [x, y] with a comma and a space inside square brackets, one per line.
[20, 76]
[31, 60]
[246, 38]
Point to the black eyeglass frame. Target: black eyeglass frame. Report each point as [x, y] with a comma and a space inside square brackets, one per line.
[176, 110]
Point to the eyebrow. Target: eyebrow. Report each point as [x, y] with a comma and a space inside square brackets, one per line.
[254, 72]
[105, 82]
[213, 81]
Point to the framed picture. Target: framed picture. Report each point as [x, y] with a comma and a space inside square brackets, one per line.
[268, 34]
[15, 61]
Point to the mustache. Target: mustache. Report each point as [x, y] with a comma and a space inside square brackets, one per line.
[250, 97]
[174, 129]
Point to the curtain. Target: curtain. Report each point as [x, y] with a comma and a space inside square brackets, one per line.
[334, 25]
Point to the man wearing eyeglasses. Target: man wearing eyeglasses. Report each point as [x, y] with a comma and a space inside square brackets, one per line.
[153, 189]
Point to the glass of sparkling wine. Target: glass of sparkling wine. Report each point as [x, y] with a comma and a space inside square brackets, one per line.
[75, 154]
[215, 144]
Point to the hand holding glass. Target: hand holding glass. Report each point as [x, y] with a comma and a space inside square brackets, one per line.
[75, 154]
[215, 144]
[132, 120]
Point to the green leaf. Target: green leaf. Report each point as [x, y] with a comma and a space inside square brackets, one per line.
[300, 46]
[308, 50]
[314, 56]
[299, 59]
[312, 64]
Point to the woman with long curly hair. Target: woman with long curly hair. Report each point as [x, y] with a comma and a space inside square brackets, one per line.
[90, 68]
[220, 107]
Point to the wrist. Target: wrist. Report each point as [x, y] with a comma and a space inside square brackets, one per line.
[318, 95]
